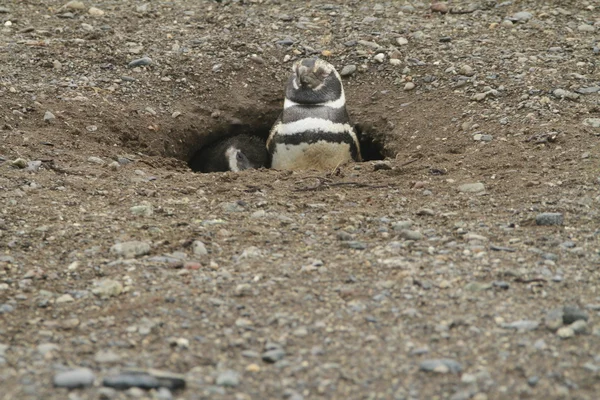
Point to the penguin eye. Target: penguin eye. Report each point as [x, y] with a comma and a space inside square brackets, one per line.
[239, 156]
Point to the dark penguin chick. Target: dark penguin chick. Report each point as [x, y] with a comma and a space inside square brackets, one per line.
[313, 130]
[235, 154]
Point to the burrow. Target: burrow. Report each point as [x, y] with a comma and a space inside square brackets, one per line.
[188, 141]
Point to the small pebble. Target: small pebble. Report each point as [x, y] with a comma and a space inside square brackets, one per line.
[49, 117]
[546, 219]
[140, 62]
[442, 366]
[472, 187]
[76, 378]
[228, 378]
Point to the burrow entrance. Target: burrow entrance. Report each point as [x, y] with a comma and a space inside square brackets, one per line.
[200, 141]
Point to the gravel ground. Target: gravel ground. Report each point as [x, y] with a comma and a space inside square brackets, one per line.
[465, 265]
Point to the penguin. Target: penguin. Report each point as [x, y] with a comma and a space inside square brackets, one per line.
[313, 131]
[236, 153]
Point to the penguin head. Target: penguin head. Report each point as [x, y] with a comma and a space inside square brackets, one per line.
[237, 160]
[314, 81]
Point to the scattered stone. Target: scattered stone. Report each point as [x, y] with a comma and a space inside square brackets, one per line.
[441, 366]
[107, 288]
[140, 62]
[409, 86]
[471, 187]
[565, 94]
[522, 16]
[545, 219]
[402, 41]
[19, 163]
[410, 235]
[75, 5]
[466, 70]
[76, 378]
[382, 165]
[565, 332]
[355, 244]
[65, 298]
[106, 357]
[96, 160]
[522, 325]
[4, 10]
[593, 122]
[228, 378]
[439, 7]
[579, 326]
[130, 249]
[274, 352]
[586, 28]
[571, 314]
[145, 209]
[96, 12]
[49, 117]
[401, 225]
[198, 248]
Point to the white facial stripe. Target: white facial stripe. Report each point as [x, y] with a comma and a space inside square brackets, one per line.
[312, 124]
[231, 155]
[339, 103]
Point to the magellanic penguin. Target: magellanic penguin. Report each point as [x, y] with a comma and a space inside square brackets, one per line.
[313, 130]
[235, 154]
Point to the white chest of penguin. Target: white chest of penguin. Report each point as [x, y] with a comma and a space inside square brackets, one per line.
[313, 130]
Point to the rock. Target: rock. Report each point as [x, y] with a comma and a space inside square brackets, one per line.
[128, 380]
[95, 160]
[95, 12]
[441, 366]
[65, 298]
[439, 7]
[586, 28]
[579, 326]
[401, 225]
[140, 62]
[545, 219]
[479, 97]
[572, 314]
[565, 94]
[49, 117]
[553, 319]
[522, 16]
[355, 244]
[198, 248]
[466, 70]
[75, 5]
[380, 57]
[410, 235]
[4, 10]
[107, 288]
[228, 378]
[46, 348]
[107, 393]
[382, 165]
[402, 41]
[107, 357]
[409, 86]
[522, 325]
[76, 378]
[565, 332]
[130, 249]
[274, 352]
[471, 187]
[19, 163]
[145, 209]
[593, 122]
